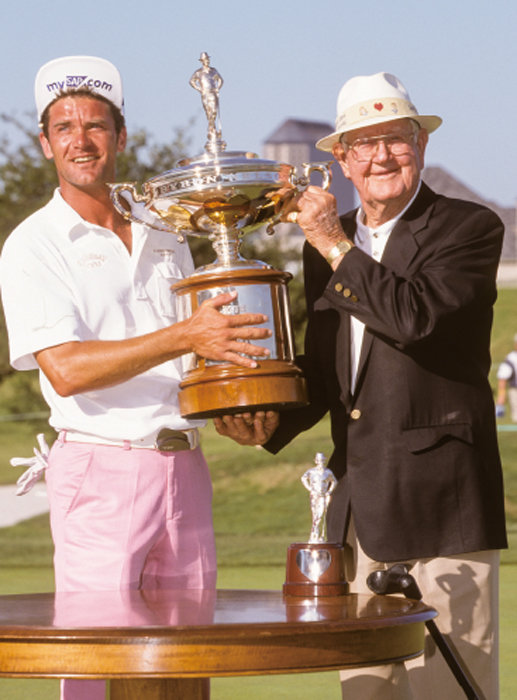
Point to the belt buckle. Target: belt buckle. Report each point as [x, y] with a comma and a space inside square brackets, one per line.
[169, 440]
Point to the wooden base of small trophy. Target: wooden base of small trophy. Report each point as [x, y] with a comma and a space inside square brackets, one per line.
[215, 388]
[315, 569]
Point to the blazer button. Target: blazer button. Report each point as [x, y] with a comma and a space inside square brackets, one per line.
[355, 414]
[347, 292]
[354, 298]
[338, 287]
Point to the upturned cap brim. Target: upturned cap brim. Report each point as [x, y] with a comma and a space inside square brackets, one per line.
[428, 122]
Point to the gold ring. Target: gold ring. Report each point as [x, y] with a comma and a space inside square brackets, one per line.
[292, 217]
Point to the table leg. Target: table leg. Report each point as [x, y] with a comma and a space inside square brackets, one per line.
[160, 689]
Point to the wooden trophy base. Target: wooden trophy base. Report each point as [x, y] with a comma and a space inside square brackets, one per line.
[217, 388]
[221, 390]
[315, 569]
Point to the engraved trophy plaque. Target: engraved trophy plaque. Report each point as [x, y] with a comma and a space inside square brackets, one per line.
[316, 568]
[222, 195]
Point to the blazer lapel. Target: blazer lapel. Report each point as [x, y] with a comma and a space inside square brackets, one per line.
[402, 245]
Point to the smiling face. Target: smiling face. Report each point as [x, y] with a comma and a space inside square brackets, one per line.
[386, 182]
[83, 142]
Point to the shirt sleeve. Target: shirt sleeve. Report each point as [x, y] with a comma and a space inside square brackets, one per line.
[505, 370]
[38, 302]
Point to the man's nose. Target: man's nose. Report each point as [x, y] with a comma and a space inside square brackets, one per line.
[80, 137]
[382, 152]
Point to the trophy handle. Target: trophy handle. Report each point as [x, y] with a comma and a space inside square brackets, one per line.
[308, 168]
[121, 205]
[304, 181]
[124, 207]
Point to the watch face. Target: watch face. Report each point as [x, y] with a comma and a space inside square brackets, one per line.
[341, 248]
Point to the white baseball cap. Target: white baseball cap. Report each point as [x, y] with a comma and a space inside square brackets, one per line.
[367, 100]
[74, 72]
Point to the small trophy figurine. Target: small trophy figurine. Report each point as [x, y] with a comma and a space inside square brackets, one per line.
[316, 568]
[208, 82]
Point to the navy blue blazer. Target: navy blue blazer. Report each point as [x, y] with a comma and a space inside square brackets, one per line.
[415, 445]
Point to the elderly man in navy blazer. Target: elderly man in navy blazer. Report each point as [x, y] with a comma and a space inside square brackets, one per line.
[400, 296]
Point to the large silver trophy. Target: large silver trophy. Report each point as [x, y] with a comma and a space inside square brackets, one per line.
[316, 568]
[221, 195]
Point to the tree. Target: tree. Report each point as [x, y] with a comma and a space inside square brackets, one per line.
[27, 178]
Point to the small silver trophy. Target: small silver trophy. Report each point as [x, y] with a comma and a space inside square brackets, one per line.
[221, 195]
[316, 568]
[320, 482]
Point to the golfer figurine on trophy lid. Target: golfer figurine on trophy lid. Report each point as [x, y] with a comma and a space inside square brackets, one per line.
[222, 195]
[316, 568]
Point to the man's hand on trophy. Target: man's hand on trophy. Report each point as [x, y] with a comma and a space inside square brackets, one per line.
[224, 336]
[248, 428]
[317, 215]
[284, 200]
[287, 197]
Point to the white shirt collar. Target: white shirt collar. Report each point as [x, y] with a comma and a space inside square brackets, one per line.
[383, 231]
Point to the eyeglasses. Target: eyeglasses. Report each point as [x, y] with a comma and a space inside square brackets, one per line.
[364, 149]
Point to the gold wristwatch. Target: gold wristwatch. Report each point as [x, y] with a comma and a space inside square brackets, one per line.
[341, 248]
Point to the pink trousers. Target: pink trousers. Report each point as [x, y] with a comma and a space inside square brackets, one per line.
[128, 518]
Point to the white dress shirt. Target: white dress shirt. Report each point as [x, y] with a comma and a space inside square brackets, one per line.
[371, 241]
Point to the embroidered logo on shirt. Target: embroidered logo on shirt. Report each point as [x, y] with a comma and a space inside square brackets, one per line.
[166, 254]
[92, 260]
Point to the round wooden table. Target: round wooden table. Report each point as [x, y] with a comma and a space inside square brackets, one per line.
[162, 644]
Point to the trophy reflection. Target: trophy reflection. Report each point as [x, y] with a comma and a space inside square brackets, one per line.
[316, 568]
[222, 195]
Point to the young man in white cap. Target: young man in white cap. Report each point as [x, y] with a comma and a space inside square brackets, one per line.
[399, 296]
[507, 384]
[87, 301]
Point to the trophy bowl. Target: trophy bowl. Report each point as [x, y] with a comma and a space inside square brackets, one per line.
[210, 194]
[219, 196]
[222, 195]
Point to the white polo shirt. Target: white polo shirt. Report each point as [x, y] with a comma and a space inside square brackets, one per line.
[64, 279]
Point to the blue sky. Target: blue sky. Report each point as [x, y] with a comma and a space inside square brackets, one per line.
[285, 59]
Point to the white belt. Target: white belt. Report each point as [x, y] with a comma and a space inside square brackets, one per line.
[167, 440]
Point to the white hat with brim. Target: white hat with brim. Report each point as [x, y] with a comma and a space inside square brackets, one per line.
[367, 100]
[71, 73]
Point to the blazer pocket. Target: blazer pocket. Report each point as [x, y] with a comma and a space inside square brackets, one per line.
[421, 439]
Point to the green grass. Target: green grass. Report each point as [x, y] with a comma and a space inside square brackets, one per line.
[260, 507]
[505, 324]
